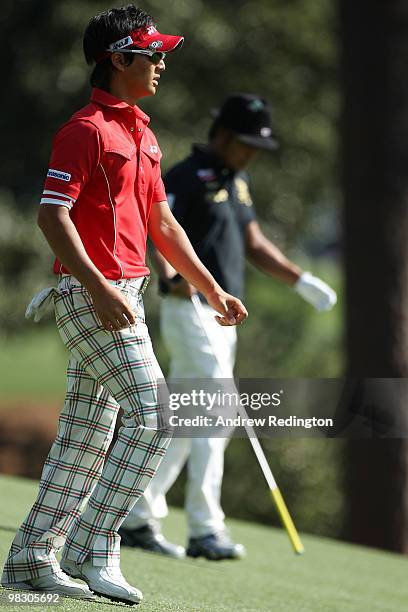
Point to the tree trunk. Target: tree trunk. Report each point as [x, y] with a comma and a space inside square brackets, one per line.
[374, 134]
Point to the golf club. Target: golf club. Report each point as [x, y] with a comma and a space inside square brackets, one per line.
[260, 455]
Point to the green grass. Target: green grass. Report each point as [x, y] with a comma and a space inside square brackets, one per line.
[329, 577]
[33, 366]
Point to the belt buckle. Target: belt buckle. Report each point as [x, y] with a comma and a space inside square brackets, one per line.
[144, 284]
[140, 289]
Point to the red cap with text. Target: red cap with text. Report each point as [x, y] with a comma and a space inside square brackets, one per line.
[147, 38]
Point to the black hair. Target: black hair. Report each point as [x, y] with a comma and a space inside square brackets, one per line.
[106, 28]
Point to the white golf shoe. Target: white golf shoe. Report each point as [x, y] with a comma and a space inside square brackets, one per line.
[61, 584]
[18, 586]
[106, 581]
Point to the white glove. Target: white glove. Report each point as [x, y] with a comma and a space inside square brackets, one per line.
[315, 291]
[39, 304]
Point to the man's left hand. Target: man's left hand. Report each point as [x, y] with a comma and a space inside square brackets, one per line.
[231, 309]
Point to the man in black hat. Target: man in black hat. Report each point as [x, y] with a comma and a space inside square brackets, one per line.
[210, 197]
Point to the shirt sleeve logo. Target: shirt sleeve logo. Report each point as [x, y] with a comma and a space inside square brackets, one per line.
[59, 174]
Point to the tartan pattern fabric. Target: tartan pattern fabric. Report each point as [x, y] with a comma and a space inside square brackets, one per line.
[82, 499]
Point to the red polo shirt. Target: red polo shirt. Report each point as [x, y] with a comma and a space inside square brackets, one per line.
[105, 167]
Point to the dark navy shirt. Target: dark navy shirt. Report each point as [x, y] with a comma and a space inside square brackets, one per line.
[213, 204]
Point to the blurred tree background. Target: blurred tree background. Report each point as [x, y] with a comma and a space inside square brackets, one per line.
[285, 51]
[374, 153]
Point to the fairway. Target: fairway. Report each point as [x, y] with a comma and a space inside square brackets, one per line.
[330, 576]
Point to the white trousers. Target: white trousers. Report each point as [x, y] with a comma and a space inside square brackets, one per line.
[191, 356]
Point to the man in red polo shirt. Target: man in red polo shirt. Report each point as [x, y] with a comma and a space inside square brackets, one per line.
[102, 196]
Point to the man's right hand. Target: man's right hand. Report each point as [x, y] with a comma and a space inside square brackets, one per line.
[112, 308]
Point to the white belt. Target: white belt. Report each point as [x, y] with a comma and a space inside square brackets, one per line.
[136, 283]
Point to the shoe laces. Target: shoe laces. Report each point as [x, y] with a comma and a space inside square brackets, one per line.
[115, 573]
[63, 576]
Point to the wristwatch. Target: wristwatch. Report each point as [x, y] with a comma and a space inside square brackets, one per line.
[166, 283]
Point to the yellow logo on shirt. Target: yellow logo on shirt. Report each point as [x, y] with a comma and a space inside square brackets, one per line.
[221, 196]
[243, 192]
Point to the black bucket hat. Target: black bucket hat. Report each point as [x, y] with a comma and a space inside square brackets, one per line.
[249, 117]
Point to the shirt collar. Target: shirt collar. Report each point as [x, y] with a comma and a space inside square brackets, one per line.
[106, 99]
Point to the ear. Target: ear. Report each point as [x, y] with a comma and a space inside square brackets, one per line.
[224, 136]
[118, 61]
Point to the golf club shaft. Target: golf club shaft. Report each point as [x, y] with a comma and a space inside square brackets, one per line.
[260, 455]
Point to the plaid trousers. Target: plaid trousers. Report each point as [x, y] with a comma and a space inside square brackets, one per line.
[82, 499]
